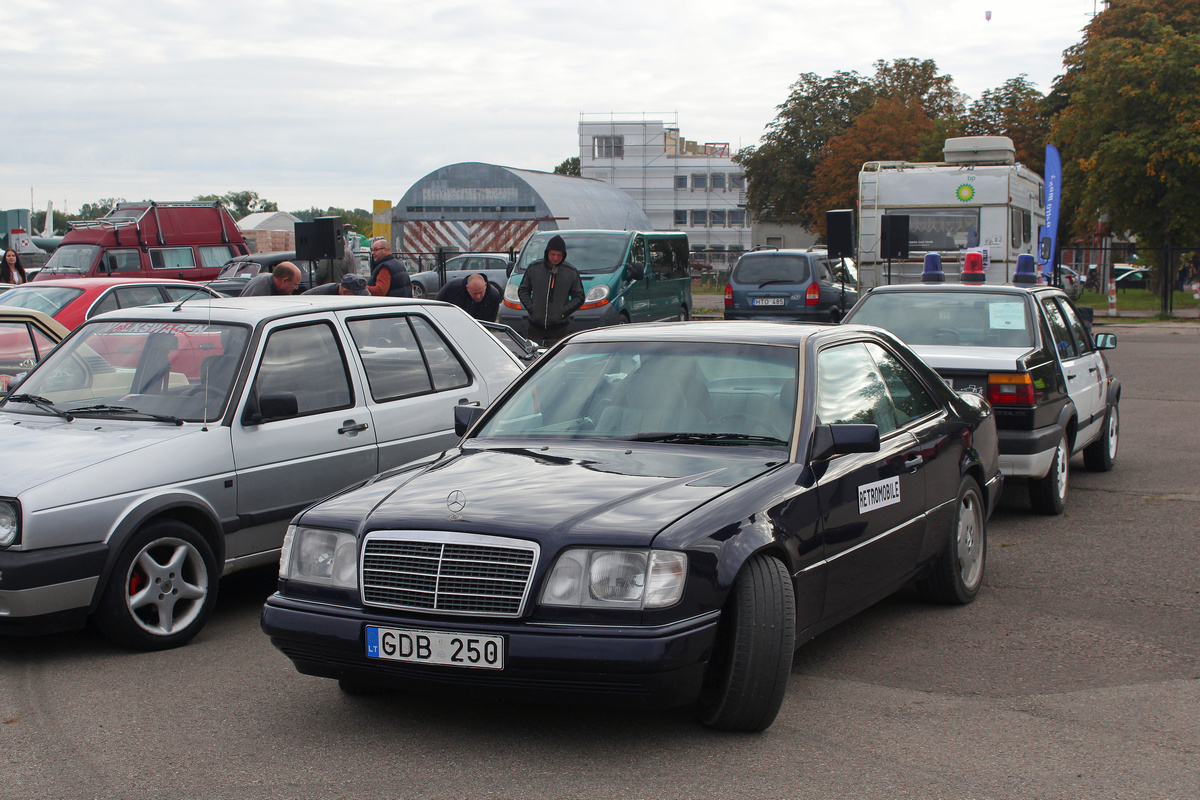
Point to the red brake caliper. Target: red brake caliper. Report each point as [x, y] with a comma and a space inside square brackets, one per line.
[135, 582]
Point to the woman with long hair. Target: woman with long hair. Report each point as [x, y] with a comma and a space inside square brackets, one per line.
[11, 270]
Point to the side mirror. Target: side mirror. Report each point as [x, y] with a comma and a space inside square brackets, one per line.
[465, 417]
[272, 405]
[637, 270]
[840, 439]
[509, 267]
[1105, 341]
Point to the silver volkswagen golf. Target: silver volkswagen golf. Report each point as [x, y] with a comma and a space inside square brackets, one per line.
[159, 448]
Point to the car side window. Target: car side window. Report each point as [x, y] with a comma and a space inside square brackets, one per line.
[850, 389]
[172, 258]
[447, 370]
[637, 251]
[176, 293]
[306, 361]
[212, 256]
[1082, 340]
[391, 357]
[661, 260]
[1063, 342]
[106, 303]
[910, 399]
[122, 260]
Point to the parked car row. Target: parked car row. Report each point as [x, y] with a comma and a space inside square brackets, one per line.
[655, 514]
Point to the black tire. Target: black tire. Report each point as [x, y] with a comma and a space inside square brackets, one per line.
[684, 314]
[1048, 495]
[418, 291]
[1100, 454]
[748, 673]
[176, 559]
[958, 572]
[623, 319]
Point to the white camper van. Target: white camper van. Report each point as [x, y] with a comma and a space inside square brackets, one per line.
[978, 199]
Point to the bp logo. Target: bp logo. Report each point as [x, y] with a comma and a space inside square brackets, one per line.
[966, 192]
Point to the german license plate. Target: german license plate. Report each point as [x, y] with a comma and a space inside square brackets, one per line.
[770, 301]
[436, 647]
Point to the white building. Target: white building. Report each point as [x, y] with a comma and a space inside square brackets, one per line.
[681, 184]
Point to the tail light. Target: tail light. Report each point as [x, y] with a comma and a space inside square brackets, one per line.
[728, 294]
[1011, 389]
[813, 296]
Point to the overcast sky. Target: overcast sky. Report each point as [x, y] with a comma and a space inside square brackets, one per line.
[321, 103]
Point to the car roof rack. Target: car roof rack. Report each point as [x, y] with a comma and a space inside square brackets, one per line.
[116, 223]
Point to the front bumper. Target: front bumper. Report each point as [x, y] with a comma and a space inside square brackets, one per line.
[657, 667]
[43, 590]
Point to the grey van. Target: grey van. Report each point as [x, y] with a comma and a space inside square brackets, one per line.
[628, 276]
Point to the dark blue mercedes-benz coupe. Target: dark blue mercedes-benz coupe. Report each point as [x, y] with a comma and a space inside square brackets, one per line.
[657, 514]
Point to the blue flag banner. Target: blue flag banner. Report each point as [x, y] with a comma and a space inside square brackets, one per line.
[1048, 233]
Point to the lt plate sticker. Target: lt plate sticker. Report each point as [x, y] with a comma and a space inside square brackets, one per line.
[879, 494]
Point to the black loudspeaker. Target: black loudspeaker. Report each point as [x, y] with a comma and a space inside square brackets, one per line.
[839, 233]
[894, 240]
[319, 239]
[329, 237]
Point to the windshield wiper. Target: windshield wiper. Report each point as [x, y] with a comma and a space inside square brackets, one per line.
[42, 403]
[103, 409]
[705, 438]
[777, 280]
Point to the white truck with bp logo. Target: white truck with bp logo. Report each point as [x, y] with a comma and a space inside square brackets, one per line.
[979, 198]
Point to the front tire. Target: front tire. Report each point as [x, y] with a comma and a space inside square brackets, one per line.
[418, 291]
[958, 572]
[1048, 495]
[162, 589]
[748, 673]
[1100, 454]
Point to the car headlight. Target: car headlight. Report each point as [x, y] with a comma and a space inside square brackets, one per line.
[512, 293]
[596, 293]
[323, 557]
[10, 523]
[603, 578]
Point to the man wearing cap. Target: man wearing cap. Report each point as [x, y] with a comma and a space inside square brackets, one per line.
[551, 292]
[474, 295]
[284, 279]
[350, 284]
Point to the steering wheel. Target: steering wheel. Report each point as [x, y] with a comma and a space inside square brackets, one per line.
[945, 333]
[756, 426]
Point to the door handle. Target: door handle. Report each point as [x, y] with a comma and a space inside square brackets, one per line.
[914, 460]
[1070, 377]
[349, 426]
[465, 402]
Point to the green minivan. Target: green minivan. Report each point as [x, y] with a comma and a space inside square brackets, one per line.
[628, 276]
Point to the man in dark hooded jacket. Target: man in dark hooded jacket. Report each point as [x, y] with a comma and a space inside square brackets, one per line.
[551, 292]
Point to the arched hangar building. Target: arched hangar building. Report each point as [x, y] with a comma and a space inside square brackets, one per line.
[484, 208]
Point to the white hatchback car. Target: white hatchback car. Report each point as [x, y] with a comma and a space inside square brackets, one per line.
[161, 447]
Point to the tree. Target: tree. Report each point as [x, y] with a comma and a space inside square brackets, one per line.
[99, 208]
[569, 166]
[1016, 110]
[1129, 124]
[359, 218]
[779, 171]
[240, 204]
[888, 131]
[913, 81]
[38, 222]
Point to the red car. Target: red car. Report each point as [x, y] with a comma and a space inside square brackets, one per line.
[70, 301]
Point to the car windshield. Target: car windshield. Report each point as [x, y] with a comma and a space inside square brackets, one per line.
[967, 319]
[72, 258]
[590, 253]
[764, 268]
[44, 297]
[180, 370]
[681, 392]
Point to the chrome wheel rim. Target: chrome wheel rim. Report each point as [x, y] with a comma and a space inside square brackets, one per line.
[1114, 429]
[970, 541]
[165, 586]
[1061, 462]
